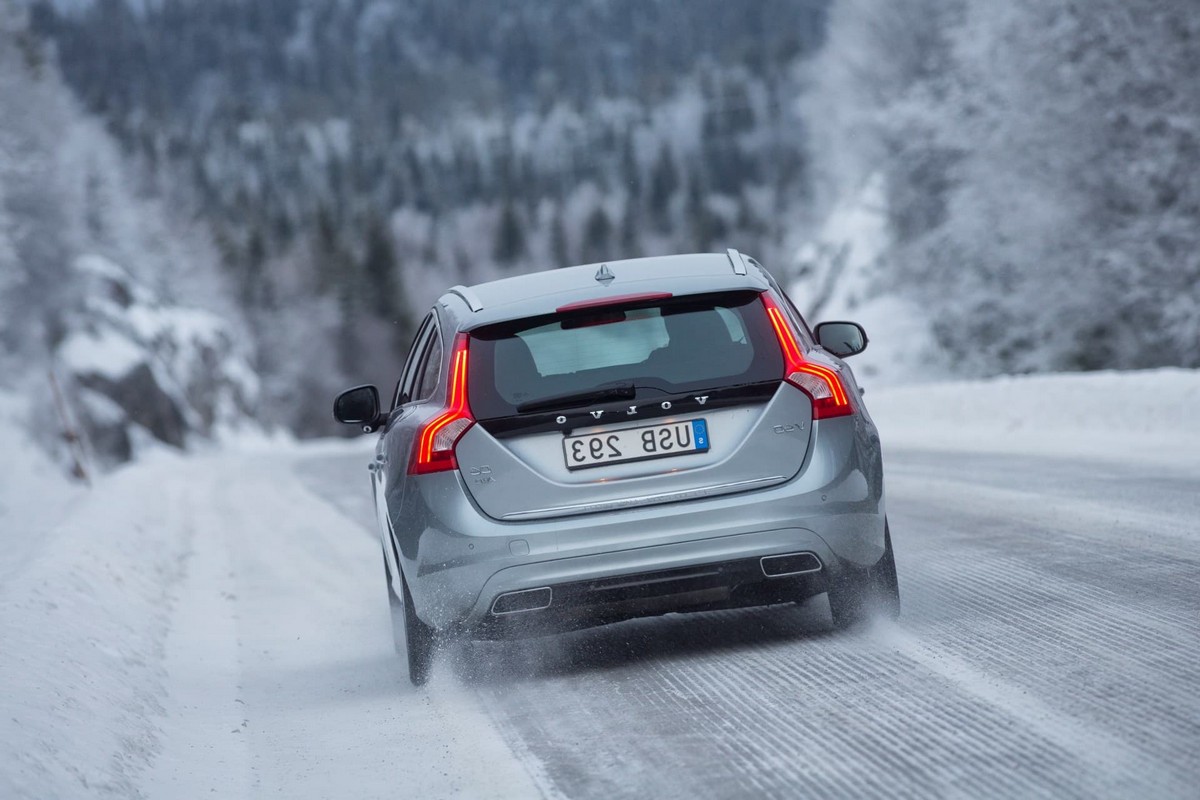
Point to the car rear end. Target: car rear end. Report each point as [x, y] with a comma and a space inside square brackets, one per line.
[667, 445]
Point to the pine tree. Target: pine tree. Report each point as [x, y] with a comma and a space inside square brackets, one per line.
[560, 249]
[253, 269]
[629, 238]
[664, 181]
[510, 238]
[597, 233]
[348, 345]
[380, 269]
[631, 172]
[327, 251]
[704, 227]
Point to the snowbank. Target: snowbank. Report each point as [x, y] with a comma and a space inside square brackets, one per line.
[173, 631]
[1150, 415]
[35, 494]
[83, 620]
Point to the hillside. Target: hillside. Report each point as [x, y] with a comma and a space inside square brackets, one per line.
[116, 323]
[355, 158]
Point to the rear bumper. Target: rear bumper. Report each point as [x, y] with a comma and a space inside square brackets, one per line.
[603, 591]
[458, 561]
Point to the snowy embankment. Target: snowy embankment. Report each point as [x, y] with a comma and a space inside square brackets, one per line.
[1149, 415]
[197, 623]
[192, 612]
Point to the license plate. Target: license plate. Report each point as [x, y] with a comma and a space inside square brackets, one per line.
[636, 444]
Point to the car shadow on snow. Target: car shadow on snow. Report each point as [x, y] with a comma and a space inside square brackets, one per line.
[636, 642]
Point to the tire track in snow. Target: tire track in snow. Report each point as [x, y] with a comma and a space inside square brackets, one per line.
[1099, 651]
[831, 715]
[999, 682]
[1048, 649]
[204, 729]
[281, 606]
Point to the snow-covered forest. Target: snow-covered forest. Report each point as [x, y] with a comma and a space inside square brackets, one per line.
[355, 158]
[1033, 167]
[991, 188]
[115, 323]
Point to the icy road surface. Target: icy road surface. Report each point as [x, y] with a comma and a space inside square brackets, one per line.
[216, 625]
[1050, 645]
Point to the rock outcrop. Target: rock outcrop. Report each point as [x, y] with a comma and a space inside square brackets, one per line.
[135, 365]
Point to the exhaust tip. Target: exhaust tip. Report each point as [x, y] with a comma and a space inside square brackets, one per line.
[789, 564]
[524, 600]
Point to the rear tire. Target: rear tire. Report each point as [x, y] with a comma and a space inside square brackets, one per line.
[857, 596]
[410, 636]
[419, 640]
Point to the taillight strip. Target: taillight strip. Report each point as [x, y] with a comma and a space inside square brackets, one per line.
[837, 403]
[783, 332]
[427, 457]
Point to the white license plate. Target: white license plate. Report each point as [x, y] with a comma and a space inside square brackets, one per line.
[636, 444]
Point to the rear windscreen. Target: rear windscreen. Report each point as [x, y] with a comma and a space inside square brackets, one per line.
[650, 349]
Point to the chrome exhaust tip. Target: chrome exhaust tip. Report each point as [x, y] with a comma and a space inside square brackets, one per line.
[524, 600]
[789, 564]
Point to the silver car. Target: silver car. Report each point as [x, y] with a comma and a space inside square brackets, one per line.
[585, 445]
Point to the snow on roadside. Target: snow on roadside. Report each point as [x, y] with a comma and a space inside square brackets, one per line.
[83, 622]
[282, 674]
[34, 493]
[1146, 415]
[202, 622]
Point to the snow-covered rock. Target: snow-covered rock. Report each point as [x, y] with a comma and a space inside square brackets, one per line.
[130, 360]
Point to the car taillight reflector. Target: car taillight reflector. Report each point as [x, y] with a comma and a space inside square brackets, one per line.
[821, 383]
[618, 300]
[434, 450]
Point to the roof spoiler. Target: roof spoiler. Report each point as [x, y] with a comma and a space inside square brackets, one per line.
[737, 260]
[468, 296]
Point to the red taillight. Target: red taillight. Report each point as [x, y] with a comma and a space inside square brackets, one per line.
[434, 450]
[819, 382]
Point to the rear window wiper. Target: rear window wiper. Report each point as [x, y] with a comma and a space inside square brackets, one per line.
[623, 392]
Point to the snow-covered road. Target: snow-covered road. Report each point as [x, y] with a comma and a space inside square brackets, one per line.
[1049, 646]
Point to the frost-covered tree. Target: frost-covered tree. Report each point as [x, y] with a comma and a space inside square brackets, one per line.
[36, 232]
[1041, 171]
[103, 284]
[485, 136]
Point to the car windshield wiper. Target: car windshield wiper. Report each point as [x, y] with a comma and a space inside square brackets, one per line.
[625, 391]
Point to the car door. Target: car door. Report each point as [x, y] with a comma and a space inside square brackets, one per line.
[421, 366]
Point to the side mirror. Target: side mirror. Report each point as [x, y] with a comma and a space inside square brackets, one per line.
[358, 406]
[843, 339]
